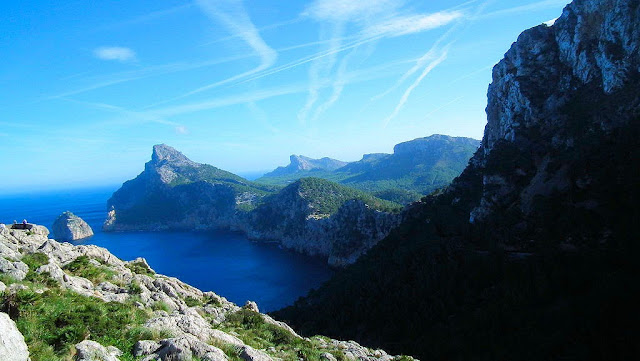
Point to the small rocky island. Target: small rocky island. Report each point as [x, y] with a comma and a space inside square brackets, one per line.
[69, 227]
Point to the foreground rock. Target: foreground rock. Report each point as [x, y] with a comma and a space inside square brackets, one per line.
[69, 227]
[12, 346]
[181, 322]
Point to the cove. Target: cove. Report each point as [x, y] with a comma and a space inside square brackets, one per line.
[219, 261]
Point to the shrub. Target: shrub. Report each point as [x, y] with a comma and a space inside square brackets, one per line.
[82, 267]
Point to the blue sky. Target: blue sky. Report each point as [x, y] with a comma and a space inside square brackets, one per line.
[88, 87]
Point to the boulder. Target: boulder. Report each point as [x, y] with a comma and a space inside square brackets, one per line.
[12, 345]
[69, 227]
[184, 348]
[88, 350]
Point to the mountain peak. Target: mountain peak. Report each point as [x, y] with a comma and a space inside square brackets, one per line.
[163, 152]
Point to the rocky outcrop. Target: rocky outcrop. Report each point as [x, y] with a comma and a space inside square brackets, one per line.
[69, 227]
[299, 163]
[297, 217]
[562, 94]
[88, 350]
[187, 323]
[12, 345]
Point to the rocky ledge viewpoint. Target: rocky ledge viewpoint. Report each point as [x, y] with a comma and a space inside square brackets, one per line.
[69, 227]
[83, 303]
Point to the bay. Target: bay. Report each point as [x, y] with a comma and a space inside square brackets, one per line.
[220, 261]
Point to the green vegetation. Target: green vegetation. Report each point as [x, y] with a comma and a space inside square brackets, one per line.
[255, 332]
[161, 306]
[83, 267]
[326, 197]
[402, 177]
[192, 302]
[54, 320]
[140, 268]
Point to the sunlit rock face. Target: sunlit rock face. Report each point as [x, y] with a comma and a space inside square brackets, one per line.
[562, 95]
[69, 227]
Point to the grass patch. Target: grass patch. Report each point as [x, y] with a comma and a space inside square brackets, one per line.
[251, 328]
[140, 268]
[35, 260]
[54, 321]
[192, 302]
[134, 288]
[82, 267]
[161, 306]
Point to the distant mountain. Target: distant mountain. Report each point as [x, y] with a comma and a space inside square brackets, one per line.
[415, 168]
[300, 164]
[310, 215]
[532, 252]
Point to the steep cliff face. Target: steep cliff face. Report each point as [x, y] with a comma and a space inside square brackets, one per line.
[318, 217]
[562, 103]
[174, 192]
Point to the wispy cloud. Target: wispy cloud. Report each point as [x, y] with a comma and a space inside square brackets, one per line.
[340, 10]
[377, 21]
[144, 18]
[405, 96]
[117, 53]
[404, 25]
[535, 6]
[233, 16]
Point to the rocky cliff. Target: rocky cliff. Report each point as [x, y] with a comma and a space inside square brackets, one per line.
[309, 216]
[300, 164]
[69, 227]
[532, 251]
[318, 217]
[563, 106]
[85, 304]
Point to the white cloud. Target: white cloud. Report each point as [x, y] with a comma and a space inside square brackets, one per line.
[403, 25]
[116, 53]
[181, 129]
[341, 10]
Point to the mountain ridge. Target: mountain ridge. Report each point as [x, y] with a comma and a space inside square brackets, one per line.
[416, 168]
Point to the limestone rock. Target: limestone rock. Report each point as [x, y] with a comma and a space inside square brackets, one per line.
[88, 350]
[69, 227]
[12, 345]
[15, 269]
[183, 348]
[250, 354]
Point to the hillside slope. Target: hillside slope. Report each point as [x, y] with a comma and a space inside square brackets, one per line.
[532, 252]
[82, 303]
[415, 168]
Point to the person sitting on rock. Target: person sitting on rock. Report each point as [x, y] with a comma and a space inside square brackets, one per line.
[24, 222]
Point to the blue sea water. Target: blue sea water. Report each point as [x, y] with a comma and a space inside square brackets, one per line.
[220, 261]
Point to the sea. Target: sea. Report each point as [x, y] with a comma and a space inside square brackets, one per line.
[224, 262]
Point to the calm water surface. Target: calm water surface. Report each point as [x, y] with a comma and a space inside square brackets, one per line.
[224, 262]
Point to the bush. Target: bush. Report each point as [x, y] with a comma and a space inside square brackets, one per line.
[82, 267]
[54, 321]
